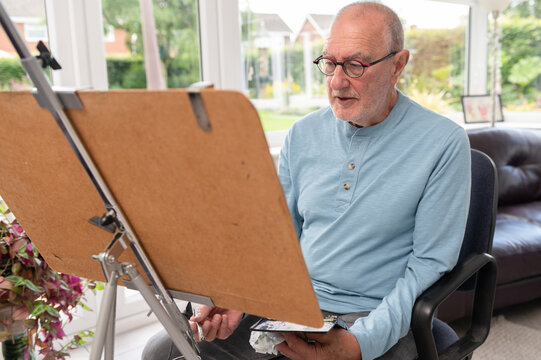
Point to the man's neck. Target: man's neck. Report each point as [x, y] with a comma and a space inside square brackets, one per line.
[393, 98]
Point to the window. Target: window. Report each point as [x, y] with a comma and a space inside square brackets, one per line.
[177, 43]
[436, 38]
[520, 56]
[28, 16]
[279, 43]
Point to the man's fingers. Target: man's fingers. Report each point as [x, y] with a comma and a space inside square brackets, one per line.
[294, 347]
[285, 350]
[294, 341]
[213, 326]
[193, 326]
[203, 312]
[224, 331]
[320, 338]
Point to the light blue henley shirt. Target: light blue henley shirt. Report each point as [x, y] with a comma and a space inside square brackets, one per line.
[380, 212]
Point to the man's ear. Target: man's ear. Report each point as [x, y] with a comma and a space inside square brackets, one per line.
[400, 61]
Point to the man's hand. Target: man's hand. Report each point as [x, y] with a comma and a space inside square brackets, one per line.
[338, 344]
[215, 322]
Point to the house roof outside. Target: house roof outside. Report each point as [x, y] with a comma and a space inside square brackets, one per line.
[271, 23]
[25, 8]
[320, 22]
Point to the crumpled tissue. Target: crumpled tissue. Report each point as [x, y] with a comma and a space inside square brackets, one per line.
[265, 342]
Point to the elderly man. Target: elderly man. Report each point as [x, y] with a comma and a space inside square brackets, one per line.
[378, 190]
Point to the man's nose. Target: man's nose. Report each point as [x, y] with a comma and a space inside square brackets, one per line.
[339, 79]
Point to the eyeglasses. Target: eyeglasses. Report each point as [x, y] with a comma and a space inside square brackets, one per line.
[352, 67]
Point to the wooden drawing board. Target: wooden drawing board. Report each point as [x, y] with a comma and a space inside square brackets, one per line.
[207, 207]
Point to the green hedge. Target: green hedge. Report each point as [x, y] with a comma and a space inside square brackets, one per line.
[11, 71]
[126, 73]
[129, 73]
[122, 73]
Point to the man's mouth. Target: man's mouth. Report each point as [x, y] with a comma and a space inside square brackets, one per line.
[344, 99]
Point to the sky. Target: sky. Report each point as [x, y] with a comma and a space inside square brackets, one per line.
[422, 13]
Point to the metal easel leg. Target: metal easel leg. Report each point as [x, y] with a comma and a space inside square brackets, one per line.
[104, 316]
[109, 350]
[170, 326]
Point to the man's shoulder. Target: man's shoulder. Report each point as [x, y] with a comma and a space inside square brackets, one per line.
[425, 117]
[313, 128]
[317, 116]
[313, 124]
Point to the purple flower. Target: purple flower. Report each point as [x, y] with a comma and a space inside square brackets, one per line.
[17, 229]
[40, 290]
[57, 325]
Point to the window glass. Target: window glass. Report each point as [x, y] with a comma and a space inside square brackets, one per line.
[31, 23]
[35, 32]
[281, 38]
[520, 56]
[435, 76]
[177, 37]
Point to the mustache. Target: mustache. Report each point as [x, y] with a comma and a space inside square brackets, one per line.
[343, 94]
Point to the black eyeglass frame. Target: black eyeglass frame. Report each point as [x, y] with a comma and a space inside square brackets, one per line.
[341, 63]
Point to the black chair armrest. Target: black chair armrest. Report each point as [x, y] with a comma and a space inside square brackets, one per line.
[484, 265]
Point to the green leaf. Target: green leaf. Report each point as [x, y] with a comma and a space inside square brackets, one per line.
[15, 280]
[4, 335]
[39, 309]
[29, 323]
[52, 311]
[3, 208]
[525, 70]
[29, 284]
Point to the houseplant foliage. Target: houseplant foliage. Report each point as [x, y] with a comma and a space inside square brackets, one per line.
[36, 301]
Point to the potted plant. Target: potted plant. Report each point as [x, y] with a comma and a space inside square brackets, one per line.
[35, 301]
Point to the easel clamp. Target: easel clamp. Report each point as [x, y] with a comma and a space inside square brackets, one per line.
[67, 96]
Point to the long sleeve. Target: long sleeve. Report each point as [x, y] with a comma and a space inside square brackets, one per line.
[288, 187]
[439, 229]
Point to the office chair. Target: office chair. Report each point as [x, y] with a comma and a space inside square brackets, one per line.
[475, 270]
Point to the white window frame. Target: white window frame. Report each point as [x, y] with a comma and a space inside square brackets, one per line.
[75, 43]
[221, 43]
[477, 52]
[82, 51]
[476, 48]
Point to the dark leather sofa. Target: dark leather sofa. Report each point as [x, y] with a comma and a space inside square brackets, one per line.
[517, 235]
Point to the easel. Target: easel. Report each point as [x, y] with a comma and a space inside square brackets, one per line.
[202, 179]
[114, 221]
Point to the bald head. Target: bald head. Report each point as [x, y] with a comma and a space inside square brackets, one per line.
[393, 30]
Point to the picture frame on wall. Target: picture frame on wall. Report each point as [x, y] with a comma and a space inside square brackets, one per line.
[478, 108]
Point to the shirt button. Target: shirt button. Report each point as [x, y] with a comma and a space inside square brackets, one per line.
[351, 166]
[346, 186]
